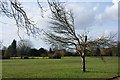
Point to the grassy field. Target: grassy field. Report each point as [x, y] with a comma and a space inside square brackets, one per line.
[67, 67]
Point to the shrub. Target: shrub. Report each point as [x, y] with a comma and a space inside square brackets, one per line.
[6, 55]
[15, 55]
[25, 57]
[50, 56]
[57, 55]
[3, 57]
[43, 55]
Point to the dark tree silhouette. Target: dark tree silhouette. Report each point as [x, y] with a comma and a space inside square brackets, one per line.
[10, 50]
[50, 50]
[43, 52]
[14, 51]
[34, 52]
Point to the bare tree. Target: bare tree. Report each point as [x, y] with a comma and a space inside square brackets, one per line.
[14, 10]
[23, 47]
[63, 32]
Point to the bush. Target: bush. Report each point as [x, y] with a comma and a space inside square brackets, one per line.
[25, 57]
[43, 55]
[3, 57]
[57, 55]
[50, 56]
[6, 55]
[15, 55]
[54, 57]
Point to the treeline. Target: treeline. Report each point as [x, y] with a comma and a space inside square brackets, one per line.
[24, 50]
[112, 51]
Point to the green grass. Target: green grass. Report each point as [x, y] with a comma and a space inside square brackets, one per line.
[67, 67]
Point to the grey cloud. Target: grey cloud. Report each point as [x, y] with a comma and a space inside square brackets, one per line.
[83, 17]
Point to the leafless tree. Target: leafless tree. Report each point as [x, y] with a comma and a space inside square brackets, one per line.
[23, 47]
[14, 10]
[63, 32]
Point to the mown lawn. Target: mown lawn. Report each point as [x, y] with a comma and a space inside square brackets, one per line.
[67, 67]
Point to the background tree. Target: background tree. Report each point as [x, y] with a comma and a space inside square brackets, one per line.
[57, 54]
[14, 51]
[6, 55]
[63, 32]
[50, 50]
[34, 52]
[23, 47]
[3, 50]
[10, 50]
[97, 52]
[43, 52]
[115, 50]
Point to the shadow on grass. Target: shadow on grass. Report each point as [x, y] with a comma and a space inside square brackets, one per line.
[99, 72]
[113, 78]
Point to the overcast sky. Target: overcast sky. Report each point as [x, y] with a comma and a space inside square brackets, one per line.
[98, 17]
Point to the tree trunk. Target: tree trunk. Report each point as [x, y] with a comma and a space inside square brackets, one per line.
[83, 64]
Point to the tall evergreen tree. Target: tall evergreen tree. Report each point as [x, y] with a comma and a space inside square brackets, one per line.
[50, 50]
[14, 51]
